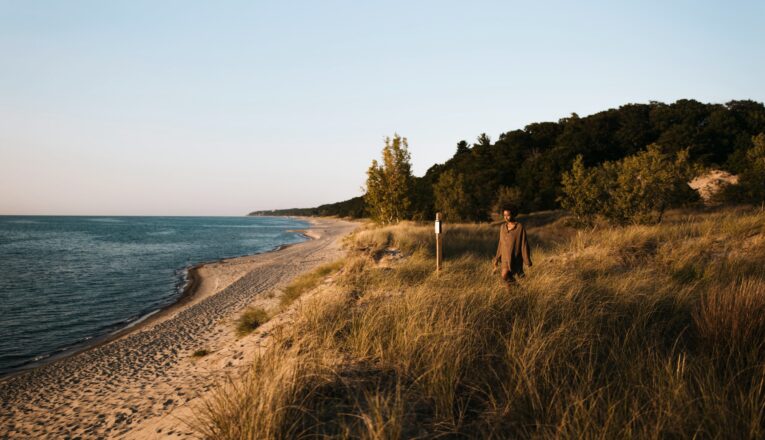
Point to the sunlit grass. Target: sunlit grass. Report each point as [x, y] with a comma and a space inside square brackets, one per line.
[635, 332]
[308, 281]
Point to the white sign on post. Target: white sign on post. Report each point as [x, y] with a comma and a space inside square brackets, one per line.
[438, 227]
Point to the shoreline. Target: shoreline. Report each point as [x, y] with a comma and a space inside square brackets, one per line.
[147, 381]
[188, 293]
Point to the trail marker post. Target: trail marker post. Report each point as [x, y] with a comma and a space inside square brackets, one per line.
[439, 242]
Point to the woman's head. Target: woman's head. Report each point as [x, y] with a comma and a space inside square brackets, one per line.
[508, 213]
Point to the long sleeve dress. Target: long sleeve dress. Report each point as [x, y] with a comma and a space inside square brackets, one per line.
[513, 250]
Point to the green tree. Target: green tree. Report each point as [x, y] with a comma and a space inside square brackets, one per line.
[452, 198]
[751, 181]
[508, 197]
[649, 183]
[585, 190]
[637, 189]
[389, 184]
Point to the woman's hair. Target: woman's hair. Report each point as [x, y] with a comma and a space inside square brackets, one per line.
[512, 209]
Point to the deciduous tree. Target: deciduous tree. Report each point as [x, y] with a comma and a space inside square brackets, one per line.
[389, 183]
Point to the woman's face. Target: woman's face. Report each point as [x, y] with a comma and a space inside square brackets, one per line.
[507, 215]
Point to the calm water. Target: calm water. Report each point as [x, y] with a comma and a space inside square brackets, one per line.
[66, 280]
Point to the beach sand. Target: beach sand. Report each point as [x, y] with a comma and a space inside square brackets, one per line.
[146, 383]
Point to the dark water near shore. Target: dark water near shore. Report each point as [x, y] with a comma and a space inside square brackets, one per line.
[67, 280]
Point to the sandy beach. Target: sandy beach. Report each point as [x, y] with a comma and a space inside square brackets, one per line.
[146, 382]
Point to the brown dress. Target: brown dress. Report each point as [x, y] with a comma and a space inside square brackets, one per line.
[513, 251]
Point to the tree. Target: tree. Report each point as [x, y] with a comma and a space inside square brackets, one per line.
[649, 183]
[452, 198]
[462, 148]
[637, 189]
[389, 184]
[752, 179]
[751, 182]
[508, 197]
[585, 191]
[483, 140]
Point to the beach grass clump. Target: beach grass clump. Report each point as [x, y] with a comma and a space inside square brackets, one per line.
[308, 281]
[616, 332]
[251, 319]
[200, 353]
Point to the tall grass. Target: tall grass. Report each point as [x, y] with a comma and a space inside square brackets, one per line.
[636, 332]
[308, 281]
[251, 319]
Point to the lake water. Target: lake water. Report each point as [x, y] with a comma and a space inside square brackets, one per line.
[67, 280]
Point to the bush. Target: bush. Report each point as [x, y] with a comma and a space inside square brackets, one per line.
[637, 189]
[251, 319]
[751, 183]
[648, 184]
[585, 191]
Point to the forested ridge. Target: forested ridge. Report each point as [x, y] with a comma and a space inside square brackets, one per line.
[531, 161]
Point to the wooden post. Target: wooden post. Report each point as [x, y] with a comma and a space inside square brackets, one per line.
[439, 243]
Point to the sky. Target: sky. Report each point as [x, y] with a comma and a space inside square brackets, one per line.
[221, 108]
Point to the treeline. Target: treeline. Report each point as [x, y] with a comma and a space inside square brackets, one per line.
[354, 208]
[527, 166]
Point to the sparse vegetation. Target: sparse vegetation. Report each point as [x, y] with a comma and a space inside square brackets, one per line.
[250, 319]
[201, 352]
[644, 331]
[308, 281]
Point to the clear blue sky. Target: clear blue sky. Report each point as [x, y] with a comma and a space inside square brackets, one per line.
[219, 108]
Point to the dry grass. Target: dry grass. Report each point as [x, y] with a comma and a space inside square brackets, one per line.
[636, 332]
[308, 281]
[250, 319]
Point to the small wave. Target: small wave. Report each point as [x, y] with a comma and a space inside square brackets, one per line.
[136, 322]
[238, 226]
[163, 232]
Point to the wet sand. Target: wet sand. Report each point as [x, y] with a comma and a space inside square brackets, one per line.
[142, 383]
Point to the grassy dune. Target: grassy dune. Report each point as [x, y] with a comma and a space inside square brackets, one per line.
[635, 332]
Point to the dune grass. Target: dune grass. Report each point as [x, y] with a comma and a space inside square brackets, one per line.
[251, 319]
[308, 281]
[254, 317]
[634, 332]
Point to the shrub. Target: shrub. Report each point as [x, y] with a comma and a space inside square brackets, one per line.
[751, 183]
[251, 319]
[584, 191]
[637, 189]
